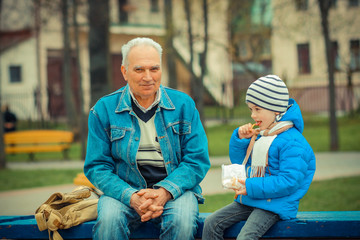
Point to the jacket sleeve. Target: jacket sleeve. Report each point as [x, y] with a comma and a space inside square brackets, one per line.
[99, 165]
[194, 162]
[237, 148]
[290, 176]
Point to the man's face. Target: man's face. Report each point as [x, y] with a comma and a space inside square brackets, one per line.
[143, 74]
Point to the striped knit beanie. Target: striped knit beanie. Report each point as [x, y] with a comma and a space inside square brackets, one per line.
[268, 92]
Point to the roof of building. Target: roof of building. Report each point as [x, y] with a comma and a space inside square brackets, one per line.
[10, 39]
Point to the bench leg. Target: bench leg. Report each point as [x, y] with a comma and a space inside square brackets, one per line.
[32, 157]
[66, 154]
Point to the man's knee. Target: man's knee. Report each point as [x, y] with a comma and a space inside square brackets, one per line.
[185, 223]
[111, 211]
[182, 213]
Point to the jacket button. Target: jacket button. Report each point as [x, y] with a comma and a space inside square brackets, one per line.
[136, 139]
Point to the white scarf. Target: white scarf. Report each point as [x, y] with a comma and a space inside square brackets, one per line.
[260, 148]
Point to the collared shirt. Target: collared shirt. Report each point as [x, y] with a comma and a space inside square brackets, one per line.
[157, 100]
[149, 157]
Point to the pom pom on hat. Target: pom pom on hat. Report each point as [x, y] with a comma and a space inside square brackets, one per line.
[269, 92]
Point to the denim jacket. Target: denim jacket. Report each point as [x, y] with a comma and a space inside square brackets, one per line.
[113, 142]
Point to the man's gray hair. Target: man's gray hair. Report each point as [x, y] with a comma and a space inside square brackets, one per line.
[125, 49]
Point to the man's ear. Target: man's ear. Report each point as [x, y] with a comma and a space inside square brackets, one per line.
[123, 71]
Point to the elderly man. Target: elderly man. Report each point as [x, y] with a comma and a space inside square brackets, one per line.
[147, 152]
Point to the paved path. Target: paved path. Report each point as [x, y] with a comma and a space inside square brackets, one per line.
[24, 202]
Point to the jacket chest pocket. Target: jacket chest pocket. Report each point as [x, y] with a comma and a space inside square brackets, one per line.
[179, 130]
[119, 141]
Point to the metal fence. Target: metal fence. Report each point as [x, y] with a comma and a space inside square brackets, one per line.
[310, 99]
[316, 99]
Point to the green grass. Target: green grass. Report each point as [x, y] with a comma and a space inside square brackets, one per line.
[316, 131]
[318, 134]
[342, 194]
[22, 179]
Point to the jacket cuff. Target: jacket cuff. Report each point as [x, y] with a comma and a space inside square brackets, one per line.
[126, 196]
[170, 187]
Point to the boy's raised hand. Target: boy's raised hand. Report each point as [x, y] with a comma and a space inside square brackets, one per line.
[246, 131]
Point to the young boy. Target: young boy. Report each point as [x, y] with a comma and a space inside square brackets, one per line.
[280, 163]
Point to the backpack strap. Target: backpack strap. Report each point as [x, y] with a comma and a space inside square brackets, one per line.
[55, 235]
[41, 218]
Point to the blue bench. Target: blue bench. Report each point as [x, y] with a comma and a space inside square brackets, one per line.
[330, 225]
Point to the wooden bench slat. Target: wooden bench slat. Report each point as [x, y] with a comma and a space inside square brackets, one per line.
[34, 149]
[38, 136]
[36, 141]
[342, 224]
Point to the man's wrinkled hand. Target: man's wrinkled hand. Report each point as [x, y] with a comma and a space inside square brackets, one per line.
[136, 201]
[149, 209]
[149, 203]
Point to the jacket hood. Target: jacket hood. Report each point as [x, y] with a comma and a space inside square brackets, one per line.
[294, 114]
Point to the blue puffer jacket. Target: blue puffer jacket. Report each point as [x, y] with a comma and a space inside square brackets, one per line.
[291, 169]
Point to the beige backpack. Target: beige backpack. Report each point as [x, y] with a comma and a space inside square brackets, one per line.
[65, 210]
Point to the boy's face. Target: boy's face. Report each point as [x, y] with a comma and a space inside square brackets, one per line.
[263, 117]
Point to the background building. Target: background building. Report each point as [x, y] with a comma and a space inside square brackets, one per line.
[298, 51]
[32, 61]
[246, 39]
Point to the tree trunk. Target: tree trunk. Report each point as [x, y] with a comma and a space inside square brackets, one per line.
[68, 92]
[2, 143]
[203, 64]
[100, 77]
[82, 119]
[350, 90]
[170, 60]
[191, 40]
[324, 6]
[197, 85]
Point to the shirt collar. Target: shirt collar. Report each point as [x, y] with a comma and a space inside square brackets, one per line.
[156, 101]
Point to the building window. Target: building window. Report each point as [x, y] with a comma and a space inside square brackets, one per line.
[355, 55]
[301, 5]
[15, 74]
[354, 3]
[304, 58]
[333, 3]
[154, 6]
[335, 56]
[266, 48]
[123, 11]
[243, 49]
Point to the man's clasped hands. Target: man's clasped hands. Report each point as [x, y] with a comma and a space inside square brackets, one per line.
[149, 203]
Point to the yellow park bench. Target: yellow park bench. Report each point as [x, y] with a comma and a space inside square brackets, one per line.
[36, 141]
